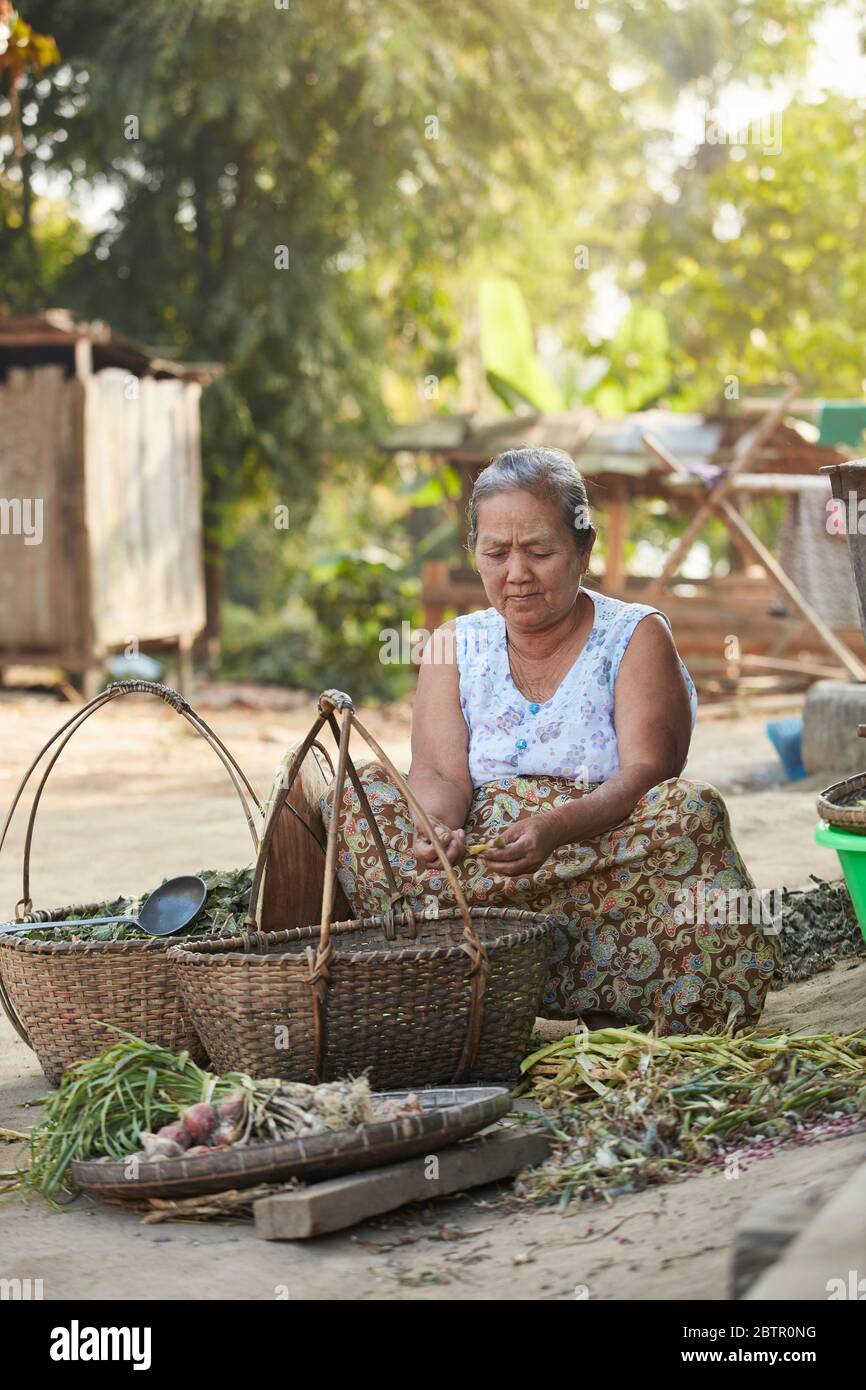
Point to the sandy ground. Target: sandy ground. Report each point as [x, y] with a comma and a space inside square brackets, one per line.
[137, 797]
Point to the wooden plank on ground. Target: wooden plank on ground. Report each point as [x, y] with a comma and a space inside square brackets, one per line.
[332, 1206]
[825, 1262]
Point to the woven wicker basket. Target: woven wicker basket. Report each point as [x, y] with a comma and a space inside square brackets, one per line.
[416, 1001]
[58, 994]
[844, 804]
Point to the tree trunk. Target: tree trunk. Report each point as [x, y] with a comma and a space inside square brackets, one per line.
[208, 645]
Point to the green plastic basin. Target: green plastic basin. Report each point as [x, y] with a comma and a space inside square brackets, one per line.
[851, 849]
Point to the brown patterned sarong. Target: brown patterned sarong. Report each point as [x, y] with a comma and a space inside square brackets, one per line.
[658, 919]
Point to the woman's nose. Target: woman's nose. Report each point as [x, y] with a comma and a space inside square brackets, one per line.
[518, 569]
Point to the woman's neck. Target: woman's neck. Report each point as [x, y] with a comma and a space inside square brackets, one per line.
[540, 644]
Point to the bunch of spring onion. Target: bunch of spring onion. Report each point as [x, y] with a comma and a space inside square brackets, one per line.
[138, 1098]
[626, 1110]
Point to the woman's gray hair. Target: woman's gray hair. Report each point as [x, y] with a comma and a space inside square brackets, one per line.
[547, 473]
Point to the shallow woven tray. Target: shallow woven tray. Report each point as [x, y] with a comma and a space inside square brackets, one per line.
[834, 804]
[450, 1114]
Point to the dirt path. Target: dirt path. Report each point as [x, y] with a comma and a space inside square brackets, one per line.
[138, 786]
[136, 797]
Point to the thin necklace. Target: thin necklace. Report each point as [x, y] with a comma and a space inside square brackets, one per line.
[524, 685]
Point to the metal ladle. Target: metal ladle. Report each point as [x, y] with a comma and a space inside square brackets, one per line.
[170, 906]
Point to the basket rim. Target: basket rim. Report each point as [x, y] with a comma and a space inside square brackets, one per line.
[833, 811]
[128, 947]
[233, 950]
[852, 783]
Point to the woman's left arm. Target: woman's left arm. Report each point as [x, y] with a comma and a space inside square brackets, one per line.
[653, 721]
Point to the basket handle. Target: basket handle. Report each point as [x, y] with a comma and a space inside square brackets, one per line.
[479, 963]
[281, 799]
[241, 783]
[329, 702]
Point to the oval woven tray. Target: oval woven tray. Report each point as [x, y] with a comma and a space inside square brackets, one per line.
[839, 804]
[449, 1114]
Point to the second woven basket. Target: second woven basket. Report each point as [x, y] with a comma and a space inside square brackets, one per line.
[59, 995]
[411, 1000]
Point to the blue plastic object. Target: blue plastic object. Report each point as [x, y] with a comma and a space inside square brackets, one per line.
[786, 736]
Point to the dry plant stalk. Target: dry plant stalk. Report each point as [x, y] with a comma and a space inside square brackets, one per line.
[627, 1110]
[486, 846]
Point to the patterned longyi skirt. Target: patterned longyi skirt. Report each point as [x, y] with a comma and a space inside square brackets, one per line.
[658, 920]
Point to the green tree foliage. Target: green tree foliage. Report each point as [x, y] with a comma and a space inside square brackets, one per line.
[779, 284]
[511, 363]
[294, 185]
[381, 142]
[311, 195]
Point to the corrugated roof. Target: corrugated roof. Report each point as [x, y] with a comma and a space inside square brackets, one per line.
[53, 334]
[700, 442]
[600, 444]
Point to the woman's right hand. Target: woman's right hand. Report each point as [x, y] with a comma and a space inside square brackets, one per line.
[453, 842]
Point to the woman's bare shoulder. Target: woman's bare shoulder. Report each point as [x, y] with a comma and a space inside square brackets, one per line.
[651, 639]
[440, 649]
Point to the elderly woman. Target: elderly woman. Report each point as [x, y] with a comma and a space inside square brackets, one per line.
[557, 723]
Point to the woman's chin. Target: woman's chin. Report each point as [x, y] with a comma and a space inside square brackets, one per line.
[524, 610]
[524, 604]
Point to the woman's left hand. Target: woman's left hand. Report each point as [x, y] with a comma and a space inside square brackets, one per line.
[525, 846]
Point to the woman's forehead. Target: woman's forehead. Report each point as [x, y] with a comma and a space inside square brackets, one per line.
[508, 512]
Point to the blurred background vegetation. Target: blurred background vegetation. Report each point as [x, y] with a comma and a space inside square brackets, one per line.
[484, 207]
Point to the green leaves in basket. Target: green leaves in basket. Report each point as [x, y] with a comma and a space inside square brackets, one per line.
[222, 913]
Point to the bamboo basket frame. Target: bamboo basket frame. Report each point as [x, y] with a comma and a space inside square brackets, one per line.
[54, 980]
[308, 976]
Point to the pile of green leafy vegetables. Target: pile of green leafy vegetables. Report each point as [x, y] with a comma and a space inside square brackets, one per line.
[221, 914]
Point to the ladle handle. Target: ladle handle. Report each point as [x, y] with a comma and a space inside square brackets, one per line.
[70, 922]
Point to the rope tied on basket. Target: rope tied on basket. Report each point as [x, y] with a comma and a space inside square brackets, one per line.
[319, 962]
[389, 917]
[477, 955]
[139, 687]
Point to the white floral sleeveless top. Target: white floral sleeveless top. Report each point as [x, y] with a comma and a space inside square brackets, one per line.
[570, 735]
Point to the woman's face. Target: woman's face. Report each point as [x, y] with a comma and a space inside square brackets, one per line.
[529, 564]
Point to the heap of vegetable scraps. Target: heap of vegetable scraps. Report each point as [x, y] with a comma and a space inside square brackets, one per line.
[627, 1110]
[140, 1099]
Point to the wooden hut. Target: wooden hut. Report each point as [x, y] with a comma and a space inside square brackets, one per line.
[752, 627]
[100, 497]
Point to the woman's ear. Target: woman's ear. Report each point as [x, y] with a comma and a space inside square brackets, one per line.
[587, 550]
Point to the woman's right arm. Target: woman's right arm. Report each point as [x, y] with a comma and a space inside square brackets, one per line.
[439, 775]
